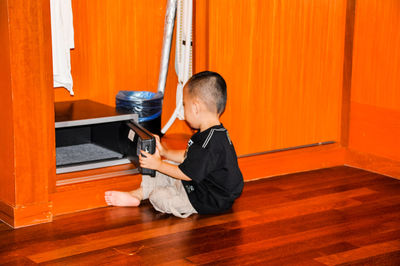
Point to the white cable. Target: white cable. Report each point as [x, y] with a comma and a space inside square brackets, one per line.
[183, 55]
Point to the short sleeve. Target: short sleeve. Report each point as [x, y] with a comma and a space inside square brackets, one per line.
[198, 163]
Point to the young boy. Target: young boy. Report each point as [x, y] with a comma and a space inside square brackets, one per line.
[207, 179]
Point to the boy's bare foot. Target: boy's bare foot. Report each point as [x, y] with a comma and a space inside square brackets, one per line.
[121, 199]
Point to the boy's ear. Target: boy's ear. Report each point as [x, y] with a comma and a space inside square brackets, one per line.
[196, 106]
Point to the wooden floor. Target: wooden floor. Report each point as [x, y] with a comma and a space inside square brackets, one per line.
[332, 216]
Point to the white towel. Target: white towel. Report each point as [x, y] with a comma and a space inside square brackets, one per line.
[62, 34]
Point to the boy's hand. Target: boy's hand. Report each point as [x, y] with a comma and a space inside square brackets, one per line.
[162, 150]
[150, 161]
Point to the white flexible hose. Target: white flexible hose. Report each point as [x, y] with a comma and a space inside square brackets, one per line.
[166, 46]
[183, 56]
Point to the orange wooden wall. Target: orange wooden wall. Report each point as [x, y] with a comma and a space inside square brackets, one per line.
[375, 106]
[282, 61]
[117, 48]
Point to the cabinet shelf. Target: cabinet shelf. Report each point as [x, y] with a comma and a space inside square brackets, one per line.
[88, 136]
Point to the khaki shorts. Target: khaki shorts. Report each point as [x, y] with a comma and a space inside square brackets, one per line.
[167, 195]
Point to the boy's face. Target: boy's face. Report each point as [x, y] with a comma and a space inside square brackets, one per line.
[189, 107]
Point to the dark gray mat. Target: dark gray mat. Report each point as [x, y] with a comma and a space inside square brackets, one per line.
[83, 153]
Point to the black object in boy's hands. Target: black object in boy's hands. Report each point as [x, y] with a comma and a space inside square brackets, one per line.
[143, 140]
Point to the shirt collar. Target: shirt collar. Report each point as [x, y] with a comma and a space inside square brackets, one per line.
[199, 136]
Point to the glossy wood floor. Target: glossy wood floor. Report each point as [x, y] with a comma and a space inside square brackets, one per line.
[332, 216]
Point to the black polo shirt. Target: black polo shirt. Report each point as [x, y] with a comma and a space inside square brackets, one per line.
[211, 163]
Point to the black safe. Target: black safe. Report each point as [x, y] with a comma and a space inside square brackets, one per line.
[92, 135]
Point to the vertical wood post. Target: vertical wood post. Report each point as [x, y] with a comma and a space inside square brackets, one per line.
[347, 71]
[27, 174]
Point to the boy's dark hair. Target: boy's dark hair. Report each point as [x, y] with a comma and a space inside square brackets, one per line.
[211, 88]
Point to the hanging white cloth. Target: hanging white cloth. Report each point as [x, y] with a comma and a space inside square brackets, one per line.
[62, 35]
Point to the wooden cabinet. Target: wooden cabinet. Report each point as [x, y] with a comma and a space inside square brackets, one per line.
[282, 65]
[28, 192]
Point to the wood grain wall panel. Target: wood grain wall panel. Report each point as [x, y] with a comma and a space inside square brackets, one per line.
[283, 63]
[117, 47]
[282, 60]
[375, 108]
[7, 193]
[201, 28]
[376, 61]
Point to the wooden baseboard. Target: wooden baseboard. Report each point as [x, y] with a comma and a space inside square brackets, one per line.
[89, 195]
[291, 161]
[373, 163]
[375, 130]
[32, 214]
[21, 216]
[6, 213]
